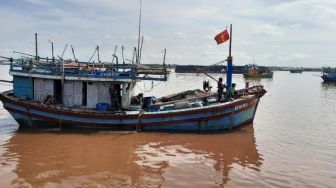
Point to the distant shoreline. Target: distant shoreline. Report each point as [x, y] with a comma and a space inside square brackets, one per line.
[218, 69]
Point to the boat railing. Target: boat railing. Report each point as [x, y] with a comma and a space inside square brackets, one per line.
[86, 69]
[328, 70]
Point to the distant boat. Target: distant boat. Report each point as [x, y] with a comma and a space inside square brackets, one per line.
[295, 71]
[253, 71]
[329, 74]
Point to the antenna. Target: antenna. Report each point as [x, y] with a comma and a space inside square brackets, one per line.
[73, 53]
[66, 45]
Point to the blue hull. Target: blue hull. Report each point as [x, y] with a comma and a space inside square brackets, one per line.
[328, 79]
[209, 118]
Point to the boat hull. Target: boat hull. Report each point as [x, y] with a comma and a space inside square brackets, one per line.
[209, 118]
[295, 71]
[268, 75]
[328, 78]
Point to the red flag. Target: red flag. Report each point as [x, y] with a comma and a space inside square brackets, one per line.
[222, 37]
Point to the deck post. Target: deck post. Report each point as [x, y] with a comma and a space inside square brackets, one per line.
[62, 81]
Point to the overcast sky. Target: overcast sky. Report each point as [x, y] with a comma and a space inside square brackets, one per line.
[273, 32]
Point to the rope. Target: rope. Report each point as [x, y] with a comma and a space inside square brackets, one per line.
[152, 87]
[218, 63]
[130, 37]
[136, 126]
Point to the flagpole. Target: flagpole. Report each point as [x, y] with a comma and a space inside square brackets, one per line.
[229, 65]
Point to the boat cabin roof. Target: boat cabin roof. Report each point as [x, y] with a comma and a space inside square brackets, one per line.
[85, 71]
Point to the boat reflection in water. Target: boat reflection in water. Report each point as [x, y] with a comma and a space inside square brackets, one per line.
[328, 85]
[135, 159]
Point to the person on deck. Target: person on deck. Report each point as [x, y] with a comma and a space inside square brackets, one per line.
[220, 89]
[232, 92]
[115, 103]
[206, 86]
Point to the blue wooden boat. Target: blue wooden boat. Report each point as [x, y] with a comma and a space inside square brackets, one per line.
[329, 74]
[71, 94]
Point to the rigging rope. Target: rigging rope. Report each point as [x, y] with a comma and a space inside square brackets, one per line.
[130, 37]
[152, 87]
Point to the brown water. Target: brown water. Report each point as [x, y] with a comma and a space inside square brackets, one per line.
[292, 143]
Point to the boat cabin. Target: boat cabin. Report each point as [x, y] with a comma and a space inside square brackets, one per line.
[81, 86]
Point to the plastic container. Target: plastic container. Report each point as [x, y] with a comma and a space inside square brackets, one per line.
[98, 74]
[149, 101]
[167, 107]
[102, 107]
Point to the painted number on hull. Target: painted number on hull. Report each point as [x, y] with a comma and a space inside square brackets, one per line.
[240, 106]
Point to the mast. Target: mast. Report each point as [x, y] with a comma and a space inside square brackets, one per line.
[73, 53]
[123, 59]
[66, 45]
[36, 51]
[229, 65]
[113, 55]
[52, 51]
[138, 55]
[142, 40]
[98, 54]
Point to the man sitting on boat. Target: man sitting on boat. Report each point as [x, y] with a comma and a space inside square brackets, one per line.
[137, 100]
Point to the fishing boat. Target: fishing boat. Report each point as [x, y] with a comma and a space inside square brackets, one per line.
[329, 74]
[253, 71]
[295, 70]
[71, 94]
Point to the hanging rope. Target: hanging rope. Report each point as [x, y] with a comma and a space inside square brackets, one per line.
[152, 87]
